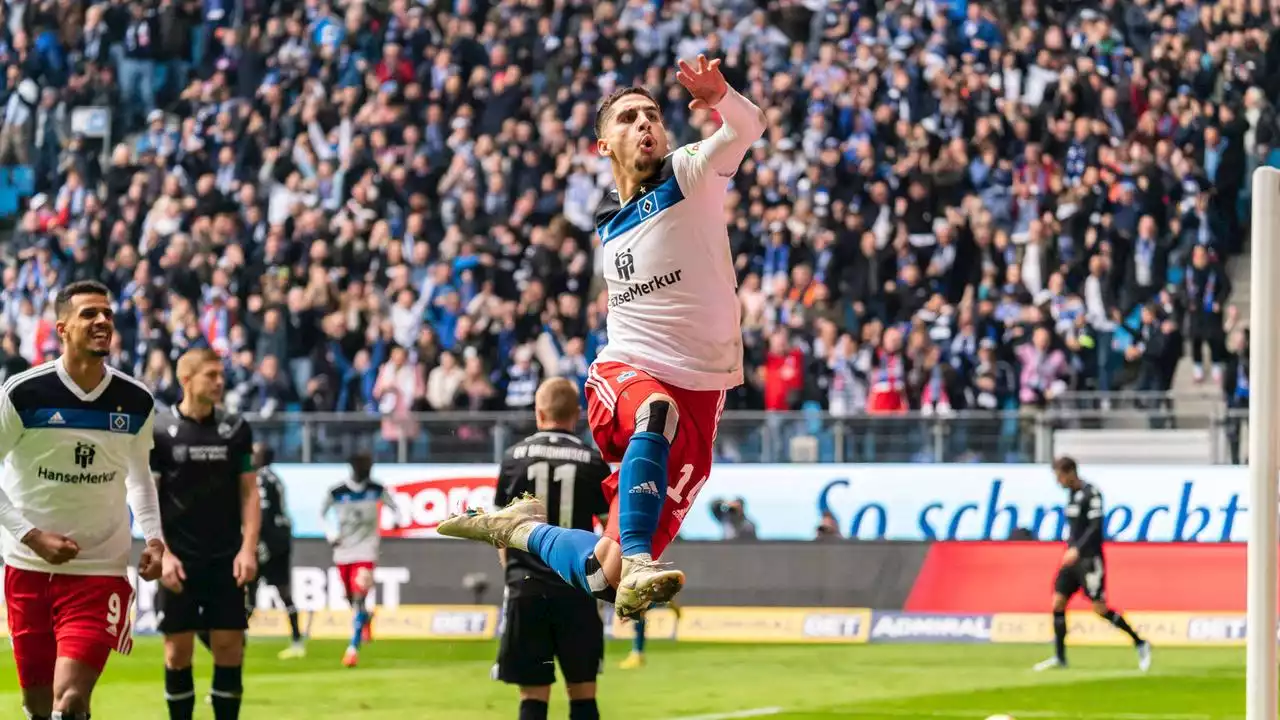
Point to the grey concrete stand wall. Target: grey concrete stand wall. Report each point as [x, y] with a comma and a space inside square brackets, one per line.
[795, 574]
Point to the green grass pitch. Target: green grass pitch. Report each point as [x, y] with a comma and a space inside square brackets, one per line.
[428, 680]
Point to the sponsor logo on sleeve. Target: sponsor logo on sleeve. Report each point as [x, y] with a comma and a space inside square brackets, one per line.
[920, 627]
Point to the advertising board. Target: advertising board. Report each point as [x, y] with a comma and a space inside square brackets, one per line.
[891, 502]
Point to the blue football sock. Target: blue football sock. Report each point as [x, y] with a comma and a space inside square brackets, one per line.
[567, 552]
[362, 618]
[642, 489]
[637, 642]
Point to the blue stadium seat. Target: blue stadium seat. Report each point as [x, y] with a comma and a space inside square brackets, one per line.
[8, 201]
[24, 180]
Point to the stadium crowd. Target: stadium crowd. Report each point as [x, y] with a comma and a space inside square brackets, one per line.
[387, 207]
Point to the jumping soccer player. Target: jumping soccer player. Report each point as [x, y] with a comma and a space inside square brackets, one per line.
[544, 619]
[275, 547]
[657, 389]
[1083, 568]
[203, 458]
[355, 502]
[76, 436]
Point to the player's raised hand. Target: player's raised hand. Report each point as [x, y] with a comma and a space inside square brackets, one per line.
[172, 573]
[704, 82]
[53, 548]
[245, 566]
[151, 565]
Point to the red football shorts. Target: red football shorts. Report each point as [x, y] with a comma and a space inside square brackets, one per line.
[82, 617]
[615, 392]
[348, 572]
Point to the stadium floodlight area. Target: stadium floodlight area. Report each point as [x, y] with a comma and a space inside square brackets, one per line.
[1264, 446]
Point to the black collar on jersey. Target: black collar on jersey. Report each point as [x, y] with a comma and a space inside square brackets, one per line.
[210, 419]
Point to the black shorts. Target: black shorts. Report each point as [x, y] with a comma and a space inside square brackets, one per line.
[275, 563]
[1088, 575]
[210, 600]
[540, 630]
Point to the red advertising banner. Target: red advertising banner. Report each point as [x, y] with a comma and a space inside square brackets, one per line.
[424, 504]
[1017, 577]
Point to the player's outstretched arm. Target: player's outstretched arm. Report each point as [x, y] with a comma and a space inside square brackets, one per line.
[743, 122]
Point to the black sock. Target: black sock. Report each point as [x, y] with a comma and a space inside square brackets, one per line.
[286, 596]
[583, 710]
[533, 710]
[1060, 635]
[68, 715]
[203, 637]
[31, 716]
[1122, 625]
[180, 693]
[608, 594]
[226, 692]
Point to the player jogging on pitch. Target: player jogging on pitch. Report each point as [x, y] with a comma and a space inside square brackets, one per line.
[275, 547]
[636, 658]
[355, 502]
[675, 344]
[544, 619]
[76, 436]
[1083, 568]
[203, 459]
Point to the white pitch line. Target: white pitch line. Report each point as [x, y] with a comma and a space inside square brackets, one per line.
[1037, 715]
[756, 712]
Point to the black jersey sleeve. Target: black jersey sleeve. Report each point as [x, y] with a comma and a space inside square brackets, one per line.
[1088, 537]
[509, 472]
[240, 446]
[598, 472]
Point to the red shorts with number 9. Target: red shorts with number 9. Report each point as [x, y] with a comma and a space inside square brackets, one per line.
[82, 617]
[615, 394]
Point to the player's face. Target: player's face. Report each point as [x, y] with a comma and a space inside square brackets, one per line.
[1063, 477]
[634, 135]
[362, 466]
[88, 326]
[208, 383]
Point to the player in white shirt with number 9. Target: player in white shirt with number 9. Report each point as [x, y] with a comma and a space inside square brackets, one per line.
[76, 439]
[656, 391]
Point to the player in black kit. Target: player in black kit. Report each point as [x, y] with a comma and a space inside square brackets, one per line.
[544, 618]
[1083, 568]
[211, 515]
[275, 547]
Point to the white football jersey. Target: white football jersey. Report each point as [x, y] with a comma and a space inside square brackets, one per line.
[673, 303]
[356, 507]
[67, 455]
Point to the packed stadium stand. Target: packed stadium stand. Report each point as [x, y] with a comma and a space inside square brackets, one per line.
[386, 208]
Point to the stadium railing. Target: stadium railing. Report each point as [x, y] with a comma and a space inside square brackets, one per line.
[1137, 429]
